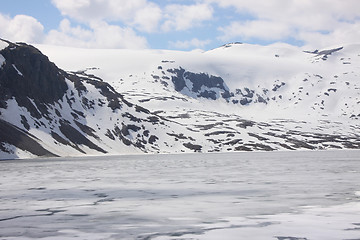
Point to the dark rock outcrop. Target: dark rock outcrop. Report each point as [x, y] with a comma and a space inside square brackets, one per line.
[10, 134]
[27, 73]
[324, 53]
[77, 137]
[203, 85]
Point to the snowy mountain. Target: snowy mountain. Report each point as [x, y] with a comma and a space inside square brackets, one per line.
[237, 97]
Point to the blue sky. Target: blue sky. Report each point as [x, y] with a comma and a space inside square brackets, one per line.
[180, 24]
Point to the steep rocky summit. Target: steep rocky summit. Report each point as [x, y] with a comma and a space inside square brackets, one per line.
[28, 74]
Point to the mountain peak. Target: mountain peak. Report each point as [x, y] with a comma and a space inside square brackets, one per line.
[27, 73]
[228, 45]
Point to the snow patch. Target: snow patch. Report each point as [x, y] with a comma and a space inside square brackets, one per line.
[2, 60]
[3, 45]
[17, 70]
[13, 152]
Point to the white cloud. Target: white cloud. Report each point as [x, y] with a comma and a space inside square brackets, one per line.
[141, 14]
[21, 28]
[346, 34]
[183, 17]
[147, 19]
[311, 21]
[144, 15]
[99, 35]
[193, 43]
[259, 29]
[119, 24]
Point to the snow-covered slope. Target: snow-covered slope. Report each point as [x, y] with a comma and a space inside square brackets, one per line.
[237, 97]
[279, 75]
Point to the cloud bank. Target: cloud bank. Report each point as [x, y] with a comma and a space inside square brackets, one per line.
[313, 22]
[21, 28]
[129, 23]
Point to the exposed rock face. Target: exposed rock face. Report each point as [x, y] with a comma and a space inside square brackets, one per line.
[27, 73]
[325, 53]
[202, 84]
[17, 137]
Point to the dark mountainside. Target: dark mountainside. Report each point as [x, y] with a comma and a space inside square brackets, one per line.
[41, 80]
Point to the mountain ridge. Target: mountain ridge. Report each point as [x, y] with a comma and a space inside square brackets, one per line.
[173, 102]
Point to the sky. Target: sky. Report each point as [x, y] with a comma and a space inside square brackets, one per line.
[180, 24]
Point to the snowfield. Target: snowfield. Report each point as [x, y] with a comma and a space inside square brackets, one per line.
[277, 195]
[237, 97]
[299, 85]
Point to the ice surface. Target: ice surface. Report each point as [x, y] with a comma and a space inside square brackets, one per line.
[277, 195]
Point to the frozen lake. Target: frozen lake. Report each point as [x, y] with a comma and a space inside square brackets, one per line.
[277, 195]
